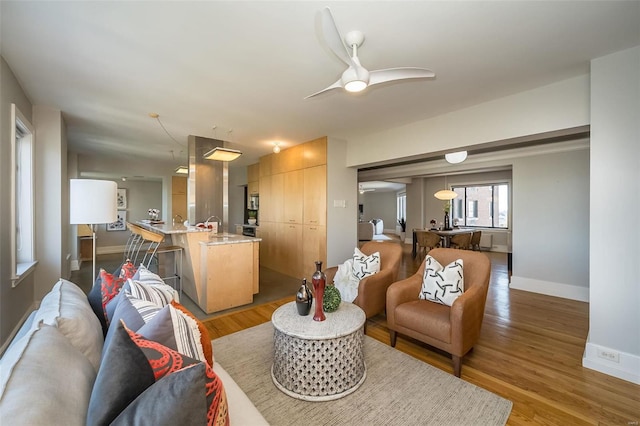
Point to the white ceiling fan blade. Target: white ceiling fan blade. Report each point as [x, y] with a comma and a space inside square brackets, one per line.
[336, 85]
[391, 74]
[333, 38]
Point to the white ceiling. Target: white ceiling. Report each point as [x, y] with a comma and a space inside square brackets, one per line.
[247, 66]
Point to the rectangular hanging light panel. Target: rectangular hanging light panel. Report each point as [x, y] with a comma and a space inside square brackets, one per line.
[222, 154]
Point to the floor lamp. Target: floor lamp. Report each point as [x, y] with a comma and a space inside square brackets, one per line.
[93, 202]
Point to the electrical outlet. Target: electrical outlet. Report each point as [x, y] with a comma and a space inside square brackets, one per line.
[609, 355]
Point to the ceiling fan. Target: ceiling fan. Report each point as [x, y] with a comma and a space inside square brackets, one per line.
[356, 77]
[362, 189]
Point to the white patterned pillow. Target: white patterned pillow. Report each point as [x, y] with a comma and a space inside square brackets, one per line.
[160, 294]
[442, 284]
[363, 265]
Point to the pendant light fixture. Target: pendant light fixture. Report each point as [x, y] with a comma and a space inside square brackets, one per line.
[222, 154]
[182, 170]
[445, 194]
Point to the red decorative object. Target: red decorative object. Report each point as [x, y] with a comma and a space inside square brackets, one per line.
[319, 280]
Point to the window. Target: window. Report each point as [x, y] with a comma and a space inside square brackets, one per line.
[401, 206]
[484, 206]
[22, 196]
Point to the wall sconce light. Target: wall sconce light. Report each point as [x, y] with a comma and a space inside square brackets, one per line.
[182, 170]
[276, 147]
[222, 154]
[456, 157]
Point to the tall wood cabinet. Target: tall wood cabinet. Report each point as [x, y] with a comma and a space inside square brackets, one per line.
[293, 209]
[179, 196]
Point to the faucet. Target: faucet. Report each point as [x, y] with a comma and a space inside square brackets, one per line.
[218, 221]
[177, 219]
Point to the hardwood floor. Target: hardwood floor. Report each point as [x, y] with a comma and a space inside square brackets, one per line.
[530, 352]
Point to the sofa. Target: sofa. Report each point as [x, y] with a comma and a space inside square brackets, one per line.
[365, 231]
[378, 226]
[60, 367]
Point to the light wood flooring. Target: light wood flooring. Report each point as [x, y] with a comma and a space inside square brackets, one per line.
[530, 352]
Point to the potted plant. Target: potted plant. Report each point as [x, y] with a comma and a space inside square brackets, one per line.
[253, 215]
[403, 228]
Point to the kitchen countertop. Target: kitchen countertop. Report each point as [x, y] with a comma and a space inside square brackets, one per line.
[226, 238]
[170, 229]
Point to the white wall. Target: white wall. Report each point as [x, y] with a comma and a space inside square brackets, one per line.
[558, 106]
[342, 185]
[614, 308]
[15, 303]
[52, 195]
[550, 217]
[380, 205]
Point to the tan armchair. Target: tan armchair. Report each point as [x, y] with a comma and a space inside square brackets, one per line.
[454, 329]
[372, 290]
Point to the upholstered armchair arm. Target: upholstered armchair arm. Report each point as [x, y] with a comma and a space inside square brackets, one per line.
[372, 292]
[401, 292]
[330, 273]
[467, 313]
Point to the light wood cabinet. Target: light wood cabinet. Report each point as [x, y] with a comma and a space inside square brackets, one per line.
[315, 195]
[314, 248]
[315, 152]
[179, 196]
[293, 209]
[253, 188]
[253, 172]
[293, 190]
[267, 201]
[265, 168]
[289, 159]
[289, 247]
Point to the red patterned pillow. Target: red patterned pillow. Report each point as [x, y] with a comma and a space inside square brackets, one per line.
[136, 373]
[165, 361]
[127, 270]
[110, 286]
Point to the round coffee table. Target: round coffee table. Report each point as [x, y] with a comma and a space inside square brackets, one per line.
[318, 360]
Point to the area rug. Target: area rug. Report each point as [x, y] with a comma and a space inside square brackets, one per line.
[398, 390]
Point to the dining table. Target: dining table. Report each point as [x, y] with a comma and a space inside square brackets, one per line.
[446, 235]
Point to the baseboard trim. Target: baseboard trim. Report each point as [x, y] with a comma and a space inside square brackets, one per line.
[566, 291]
[626, 369]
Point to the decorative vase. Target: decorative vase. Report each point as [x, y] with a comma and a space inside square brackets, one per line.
[319, 280]
[447, 226]
[304, 299]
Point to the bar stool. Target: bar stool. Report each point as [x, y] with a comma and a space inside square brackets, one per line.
[156, 248]
[134, 243]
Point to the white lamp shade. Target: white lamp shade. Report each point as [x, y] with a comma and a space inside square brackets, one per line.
[445, 194]
[93, 201]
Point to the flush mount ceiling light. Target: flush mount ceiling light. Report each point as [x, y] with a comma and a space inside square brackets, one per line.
[276, 147]
[182, 170]
[222, 154]
[456, 157]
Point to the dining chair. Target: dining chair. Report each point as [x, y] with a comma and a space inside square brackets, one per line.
[461, 241]
[475, 240]
[427, 240]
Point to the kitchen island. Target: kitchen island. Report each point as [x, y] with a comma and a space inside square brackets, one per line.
[219, 271]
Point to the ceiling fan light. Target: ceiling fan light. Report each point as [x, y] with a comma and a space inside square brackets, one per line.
[355, 86]
[222, 154]
[445, 195]
[456, 157]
